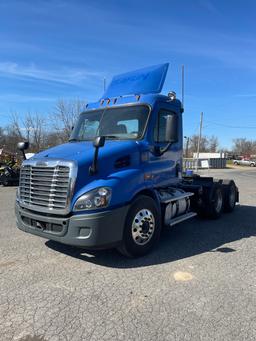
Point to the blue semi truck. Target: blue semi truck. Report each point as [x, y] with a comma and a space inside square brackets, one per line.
[118, 181]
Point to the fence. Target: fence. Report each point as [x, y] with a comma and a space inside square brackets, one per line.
[204, 163]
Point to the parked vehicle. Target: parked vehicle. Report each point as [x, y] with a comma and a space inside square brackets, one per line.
[245, 162]
[118, 180]
[9, 176]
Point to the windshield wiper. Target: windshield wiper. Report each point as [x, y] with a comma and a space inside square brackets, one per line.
[74, 140]
[113, 137]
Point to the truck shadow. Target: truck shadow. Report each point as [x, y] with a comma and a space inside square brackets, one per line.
[185, 240]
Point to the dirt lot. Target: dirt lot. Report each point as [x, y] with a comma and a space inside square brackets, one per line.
[199, 283]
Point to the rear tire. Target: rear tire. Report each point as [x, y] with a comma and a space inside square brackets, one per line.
[230, 195]
[142, 228]
[215, 207]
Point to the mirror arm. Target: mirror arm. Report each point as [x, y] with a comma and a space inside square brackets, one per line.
[157, 151]
[98, 143]
[93, 168]
[24, 155]
[164, 150]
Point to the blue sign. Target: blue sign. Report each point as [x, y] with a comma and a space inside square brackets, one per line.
[148, 80]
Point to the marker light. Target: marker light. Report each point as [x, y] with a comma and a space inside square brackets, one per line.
[172, 95]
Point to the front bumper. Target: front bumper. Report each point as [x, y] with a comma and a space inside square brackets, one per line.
[95, 230]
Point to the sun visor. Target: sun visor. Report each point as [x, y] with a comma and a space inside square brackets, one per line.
[148, 80]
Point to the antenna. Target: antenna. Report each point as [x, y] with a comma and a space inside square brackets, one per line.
[104, 84]
[182, 86]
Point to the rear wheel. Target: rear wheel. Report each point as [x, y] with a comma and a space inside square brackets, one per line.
[142, 228]
[252, 164]
[215, 202]
[230, 192]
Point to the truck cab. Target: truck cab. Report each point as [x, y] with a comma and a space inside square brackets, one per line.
[118, 180]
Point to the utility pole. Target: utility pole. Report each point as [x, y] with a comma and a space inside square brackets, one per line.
[182, 86]
[187, 145]
[199, 139]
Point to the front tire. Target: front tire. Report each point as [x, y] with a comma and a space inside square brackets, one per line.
[142, 228]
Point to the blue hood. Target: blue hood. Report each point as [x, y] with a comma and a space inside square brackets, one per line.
[82, 153]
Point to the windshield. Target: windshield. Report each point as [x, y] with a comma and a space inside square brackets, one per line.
[126, 123]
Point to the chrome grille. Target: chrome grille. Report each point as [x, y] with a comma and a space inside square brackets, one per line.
[44, 186]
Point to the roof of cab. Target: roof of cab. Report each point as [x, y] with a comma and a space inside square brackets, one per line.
[149, 99]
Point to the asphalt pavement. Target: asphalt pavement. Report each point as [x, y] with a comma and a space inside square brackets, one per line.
[198, 284]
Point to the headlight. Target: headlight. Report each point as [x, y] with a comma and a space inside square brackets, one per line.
[98, 198]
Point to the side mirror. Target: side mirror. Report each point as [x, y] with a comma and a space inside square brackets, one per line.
[171, 132]
[22, 146]
[99, 141]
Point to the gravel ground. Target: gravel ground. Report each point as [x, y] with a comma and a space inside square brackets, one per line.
[198, 284]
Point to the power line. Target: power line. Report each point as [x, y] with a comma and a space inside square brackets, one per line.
[231, 126]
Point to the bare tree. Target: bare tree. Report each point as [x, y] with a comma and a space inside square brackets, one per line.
[35, 130]
[15, 126]
[65, 116]
[213, 144]
[193, 141]
[30, 128]
[242, 146]
[2, 136]
[51, 139]
[13, 134]
[207, 144]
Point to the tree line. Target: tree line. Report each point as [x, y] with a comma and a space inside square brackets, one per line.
[240, 146]
[207, 144]
[41, 131]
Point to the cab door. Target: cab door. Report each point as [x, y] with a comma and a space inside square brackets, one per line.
[165, 167]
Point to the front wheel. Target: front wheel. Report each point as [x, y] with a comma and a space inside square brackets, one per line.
[142, 227]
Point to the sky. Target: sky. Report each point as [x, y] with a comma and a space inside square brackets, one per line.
[60, 49]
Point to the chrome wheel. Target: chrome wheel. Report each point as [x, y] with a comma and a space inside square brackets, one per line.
[143, 227]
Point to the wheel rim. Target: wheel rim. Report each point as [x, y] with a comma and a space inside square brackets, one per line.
[143, 227]
[232, 197]
[218, 201]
